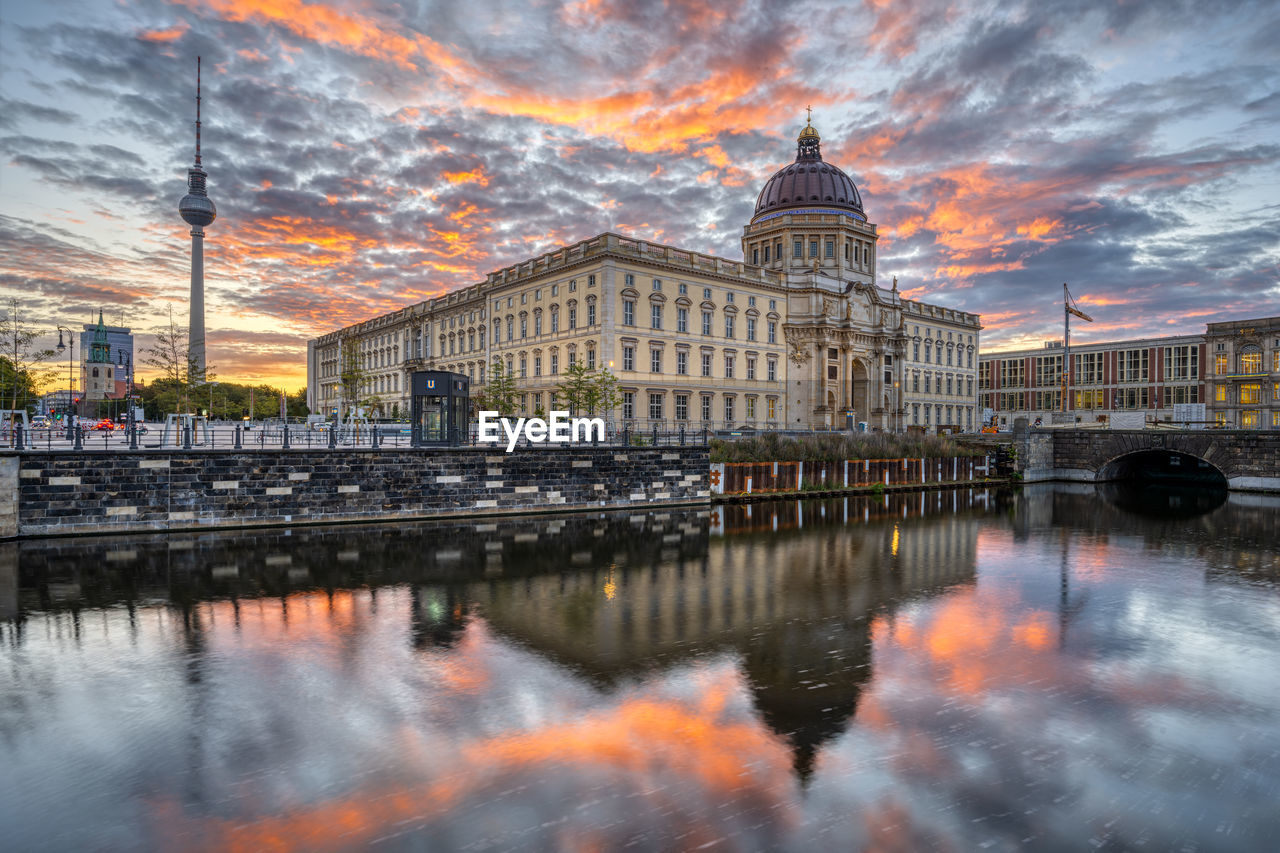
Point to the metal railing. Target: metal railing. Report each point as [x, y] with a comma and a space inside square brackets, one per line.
[234, 437]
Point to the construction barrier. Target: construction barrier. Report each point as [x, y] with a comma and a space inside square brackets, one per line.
[765, 477]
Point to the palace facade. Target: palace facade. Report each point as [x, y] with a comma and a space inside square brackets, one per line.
[798, 334]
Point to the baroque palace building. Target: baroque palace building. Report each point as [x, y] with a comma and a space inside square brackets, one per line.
[798, 334]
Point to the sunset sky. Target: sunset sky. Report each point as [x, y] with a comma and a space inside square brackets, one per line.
[366, 155]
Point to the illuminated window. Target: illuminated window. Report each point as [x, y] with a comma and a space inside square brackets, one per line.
[1251, 394]
[1220, 363]
[1220, 393]
[1250, 419]
[1251, 361]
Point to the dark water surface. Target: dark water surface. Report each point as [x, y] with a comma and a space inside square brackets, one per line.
[1052, 669]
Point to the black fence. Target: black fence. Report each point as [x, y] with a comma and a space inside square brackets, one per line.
[232, 437]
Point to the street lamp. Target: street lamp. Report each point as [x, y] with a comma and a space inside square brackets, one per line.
[124, 360]
[70, 346]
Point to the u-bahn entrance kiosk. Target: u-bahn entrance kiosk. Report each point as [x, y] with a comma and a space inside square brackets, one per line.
[441, 408]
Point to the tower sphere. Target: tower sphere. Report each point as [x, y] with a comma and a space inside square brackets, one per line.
[196, 208]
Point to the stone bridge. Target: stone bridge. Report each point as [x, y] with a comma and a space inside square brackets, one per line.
[1249, 460]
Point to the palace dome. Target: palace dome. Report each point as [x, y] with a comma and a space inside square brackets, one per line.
[809, 183]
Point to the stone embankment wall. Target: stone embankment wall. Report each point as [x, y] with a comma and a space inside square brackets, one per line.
[75, 493]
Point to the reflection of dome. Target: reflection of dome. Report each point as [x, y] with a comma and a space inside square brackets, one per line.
[809, 182]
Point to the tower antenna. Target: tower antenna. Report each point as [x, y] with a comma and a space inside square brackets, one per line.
[197, 111]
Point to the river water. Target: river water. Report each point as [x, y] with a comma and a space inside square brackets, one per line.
[1048, 669]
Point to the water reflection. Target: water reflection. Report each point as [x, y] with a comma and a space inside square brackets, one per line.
[944, 669]
[1162, 500]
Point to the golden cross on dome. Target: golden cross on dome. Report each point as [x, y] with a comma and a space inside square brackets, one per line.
[809, 117]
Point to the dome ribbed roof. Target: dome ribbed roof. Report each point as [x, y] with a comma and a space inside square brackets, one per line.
[809, 182]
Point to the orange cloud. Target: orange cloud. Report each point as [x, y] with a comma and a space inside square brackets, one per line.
[164, 36]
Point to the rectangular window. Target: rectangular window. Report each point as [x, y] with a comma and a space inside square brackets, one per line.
[751, 408]
[706, 364]
[655, 361]
[657, 284]
[751, 368]
[555, 322]
[628, 312]
[728, 411]
[573, 285]
[682, 407]
[555, 365]
[682, 319]
[524, 367]
[629, 280]
[1134, 365]
[537, 327]
[628, 358]
[1220, 363]
[755, 257]
[728, 325]
[628, 405]
[1250, 419]
[655, 407]
[773, 332]
[1048, 371]
[706, 408]
[682, 363]
[797, 250]
[771, 368]
[591, 313]
[766, 254]
[537, 365]
[706, 322]
[1251, 362]
[751, 302]
[772, 408]
[1012, 373]
[1251, 394]
[706, 293]
[831, 249]
[813, 248]
[591, 281]
[655, 316]
[1181, 362]
[682, 288]
[591, 359]
[524, 327]
[751, 328]
[728, 366]
[573, 318]
[728, 297]
[1088, 369]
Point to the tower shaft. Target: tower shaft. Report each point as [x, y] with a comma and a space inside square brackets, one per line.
[195, 330]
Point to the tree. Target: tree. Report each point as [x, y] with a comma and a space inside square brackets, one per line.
[179, 372]
[578, 390]
[352, 375]
[20, 371]
[606, 392]
[500, 392]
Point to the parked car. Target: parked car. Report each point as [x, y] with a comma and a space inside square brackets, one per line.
[41, 422]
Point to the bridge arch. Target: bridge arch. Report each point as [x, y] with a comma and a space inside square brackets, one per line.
[1162, 465]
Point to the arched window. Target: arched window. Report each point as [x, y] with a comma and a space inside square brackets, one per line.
[95, 373]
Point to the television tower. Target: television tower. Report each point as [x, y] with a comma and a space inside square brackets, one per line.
[197, 210]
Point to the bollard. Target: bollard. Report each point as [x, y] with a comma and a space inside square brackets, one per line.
[626, 436]
[133, 434]
[79, 437]
[186, 436]
[333, 435]
[682, 435]
[17, 436]
[284, 442]
[373, 436]
[237, 444]
[655, 435]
